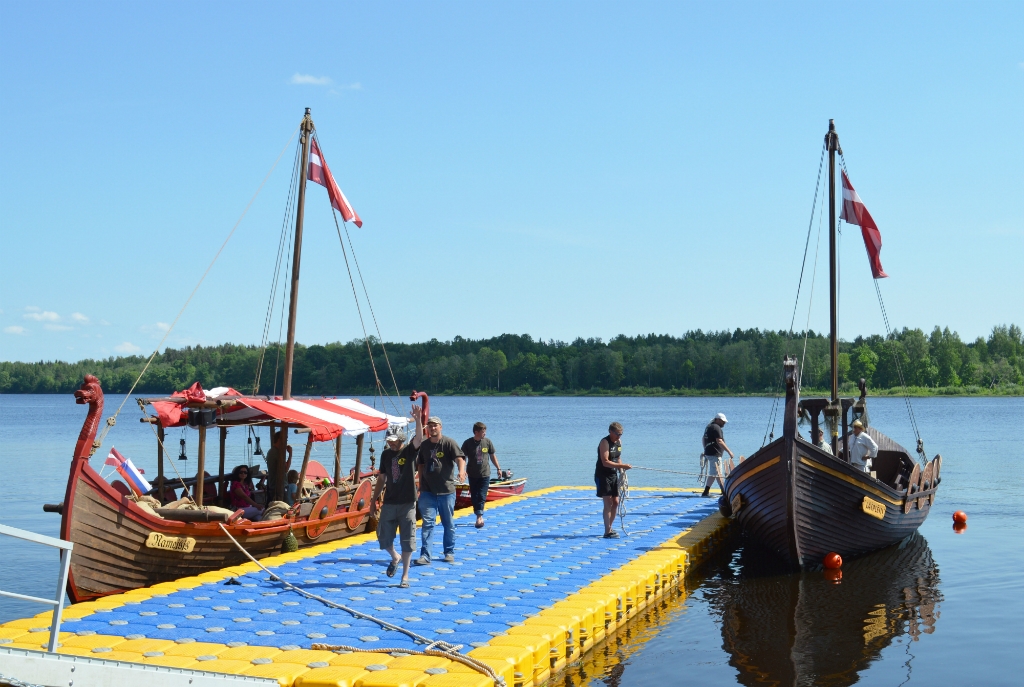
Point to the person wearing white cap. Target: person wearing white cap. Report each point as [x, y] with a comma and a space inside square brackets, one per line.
[862, 447]
[714, 443]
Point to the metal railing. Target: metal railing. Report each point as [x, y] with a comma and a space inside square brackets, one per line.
[65, 564]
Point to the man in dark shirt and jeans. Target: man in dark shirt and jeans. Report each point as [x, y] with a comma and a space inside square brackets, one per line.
[398, 482]
[437, 459]
[714, 443]
[479, 455]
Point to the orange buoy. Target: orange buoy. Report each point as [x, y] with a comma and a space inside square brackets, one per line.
[960, 517]
[832, 561]
[834, 576]
[959, 527]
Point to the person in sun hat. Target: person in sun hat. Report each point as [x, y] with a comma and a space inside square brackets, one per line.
[714, 444]
[862, 447]
[436, 461]
[397, 481]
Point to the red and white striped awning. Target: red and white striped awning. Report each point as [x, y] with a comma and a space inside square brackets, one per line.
[326, 418]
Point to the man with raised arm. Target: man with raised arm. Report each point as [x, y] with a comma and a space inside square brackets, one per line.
[606, 476]
[437, 459]
[398, 482]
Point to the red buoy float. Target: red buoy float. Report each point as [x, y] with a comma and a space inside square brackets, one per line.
[832, 561]
[834, 576]
[960, 517]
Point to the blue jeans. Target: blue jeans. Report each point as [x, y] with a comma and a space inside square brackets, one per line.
[478, 493]
[432, 505]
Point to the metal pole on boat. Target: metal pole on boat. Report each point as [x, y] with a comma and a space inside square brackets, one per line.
[293, 303]
[832, 143]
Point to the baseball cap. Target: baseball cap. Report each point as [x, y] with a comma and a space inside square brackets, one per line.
[721, 416]
[434, 420]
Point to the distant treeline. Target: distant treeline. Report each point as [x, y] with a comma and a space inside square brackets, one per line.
[743, 361]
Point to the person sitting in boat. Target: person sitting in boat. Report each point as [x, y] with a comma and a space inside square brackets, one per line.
[397, 482]
[479, 455]
[606, 476]
[241, 492]
[820, 443]
[291, 490]
[862, 447]
[714, 444]
[278, 447]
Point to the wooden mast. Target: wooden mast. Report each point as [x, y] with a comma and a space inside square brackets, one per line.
[293, 304]
[832, 143]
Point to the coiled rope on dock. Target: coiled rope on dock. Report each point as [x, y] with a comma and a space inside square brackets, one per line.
[444, 649]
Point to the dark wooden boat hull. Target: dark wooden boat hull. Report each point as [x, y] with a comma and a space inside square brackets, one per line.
[495, 492]
[110, 532]
[809, 504]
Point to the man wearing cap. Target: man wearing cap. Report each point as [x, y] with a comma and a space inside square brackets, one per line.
[820, 443]
[606, 476]
[479, 455]
[437, 458]
[862, 447]
[714, 443]
[398, 483]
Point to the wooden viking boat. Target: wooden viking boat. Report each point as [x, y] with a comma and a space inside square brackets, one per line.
[824, 629]
[121, 545]
[802, 502]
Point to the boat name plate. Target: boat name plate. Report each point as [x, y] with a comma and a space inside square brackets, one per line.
[155, 540]
[875, 509]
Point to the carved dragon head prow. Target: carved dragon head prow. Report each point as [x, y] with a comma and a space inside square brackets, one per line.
[89, 393]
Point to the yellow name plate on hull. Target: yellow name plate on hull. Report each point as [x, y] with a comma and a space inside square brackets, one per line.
[873, 508]
[155, 540]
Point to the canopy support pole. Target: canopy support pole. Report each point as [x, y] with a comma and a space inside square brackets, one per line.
[305, 464]
[359, 458]
[160, 462]
[280, 477]
[197, 491]
[222, 497]
[337, 461]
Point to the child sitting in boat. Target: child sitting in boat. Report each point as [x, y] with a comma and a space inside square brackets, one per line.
[241, 492]
[291, 489]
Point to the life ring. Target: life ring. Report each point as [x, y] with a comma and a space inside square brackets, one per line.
[323, 509]
[360, 502]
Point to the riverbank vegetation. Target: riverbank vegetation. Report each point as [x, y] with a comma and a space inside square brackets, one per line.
[698, 363]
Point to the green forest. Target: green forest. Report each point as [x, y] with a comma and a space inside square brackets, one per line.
[738, 362]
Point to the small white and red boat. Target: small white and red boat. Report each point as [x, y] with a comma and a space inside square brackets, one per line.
[500, 488]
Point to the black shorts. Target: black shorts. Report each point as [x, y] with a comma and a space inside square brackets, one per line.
[607, 486]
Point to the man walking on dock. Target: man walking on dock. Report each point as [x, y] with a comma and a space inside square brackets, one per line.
[479, 455]
[714, 443]
[438, 456]
[606, 475]
[398, 513]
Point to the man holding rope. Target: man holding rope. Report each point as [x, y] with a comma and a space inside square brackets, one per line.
[714, 442]
[606, 476]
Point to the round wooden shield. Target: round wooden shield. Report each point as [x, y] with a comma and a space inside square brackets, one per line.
[938, 467]
[324, 508]
[927, 480]
[913, 486]
[360, 502]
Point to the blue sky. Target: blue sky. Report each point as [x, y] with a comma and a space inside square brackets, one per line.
[558, 169]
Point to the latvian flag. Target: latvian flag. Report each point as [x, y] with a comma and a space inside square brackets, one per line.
[854, 212]
[131, 474]
[321, 174]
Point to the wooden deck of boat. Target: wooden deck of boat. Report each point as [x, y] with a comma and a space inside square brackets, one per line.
[536, 589]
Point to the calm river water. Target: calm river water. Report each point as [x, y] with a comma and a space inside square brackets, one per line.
[943, 609]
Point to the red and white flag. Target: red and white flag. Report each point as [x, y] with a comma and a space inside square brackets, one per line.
[854, 212]
[321, 174]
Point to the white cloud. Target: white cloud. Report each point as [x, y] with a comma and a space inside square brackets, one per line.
[57, 327]
[79, 318]
[31, 308]
[104, 323]
[310, 80]
[15, 329]
[45, 316]
[156, 330]
[127, 347]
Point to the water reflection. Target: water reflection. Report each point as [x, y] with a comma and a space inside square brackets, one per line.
[805, 629]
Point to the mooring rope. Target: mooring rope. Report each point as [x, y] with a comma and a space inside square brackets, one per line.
[446, 650]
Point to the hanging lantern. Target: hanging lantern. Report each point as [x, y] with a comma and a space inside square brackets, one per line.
[182, 456]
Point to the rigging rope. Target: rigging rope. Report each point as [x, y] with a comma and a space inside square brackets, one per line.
[113, 418]
[446, 650]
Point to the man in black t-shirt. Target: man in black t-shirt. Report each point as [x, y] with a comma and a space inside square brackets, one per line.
[397, 480]
[437, 459]
[714, 443]
[479, 455]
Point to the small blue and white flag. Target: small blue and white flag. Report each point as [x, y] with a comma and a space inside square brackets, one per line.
[131, 474]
